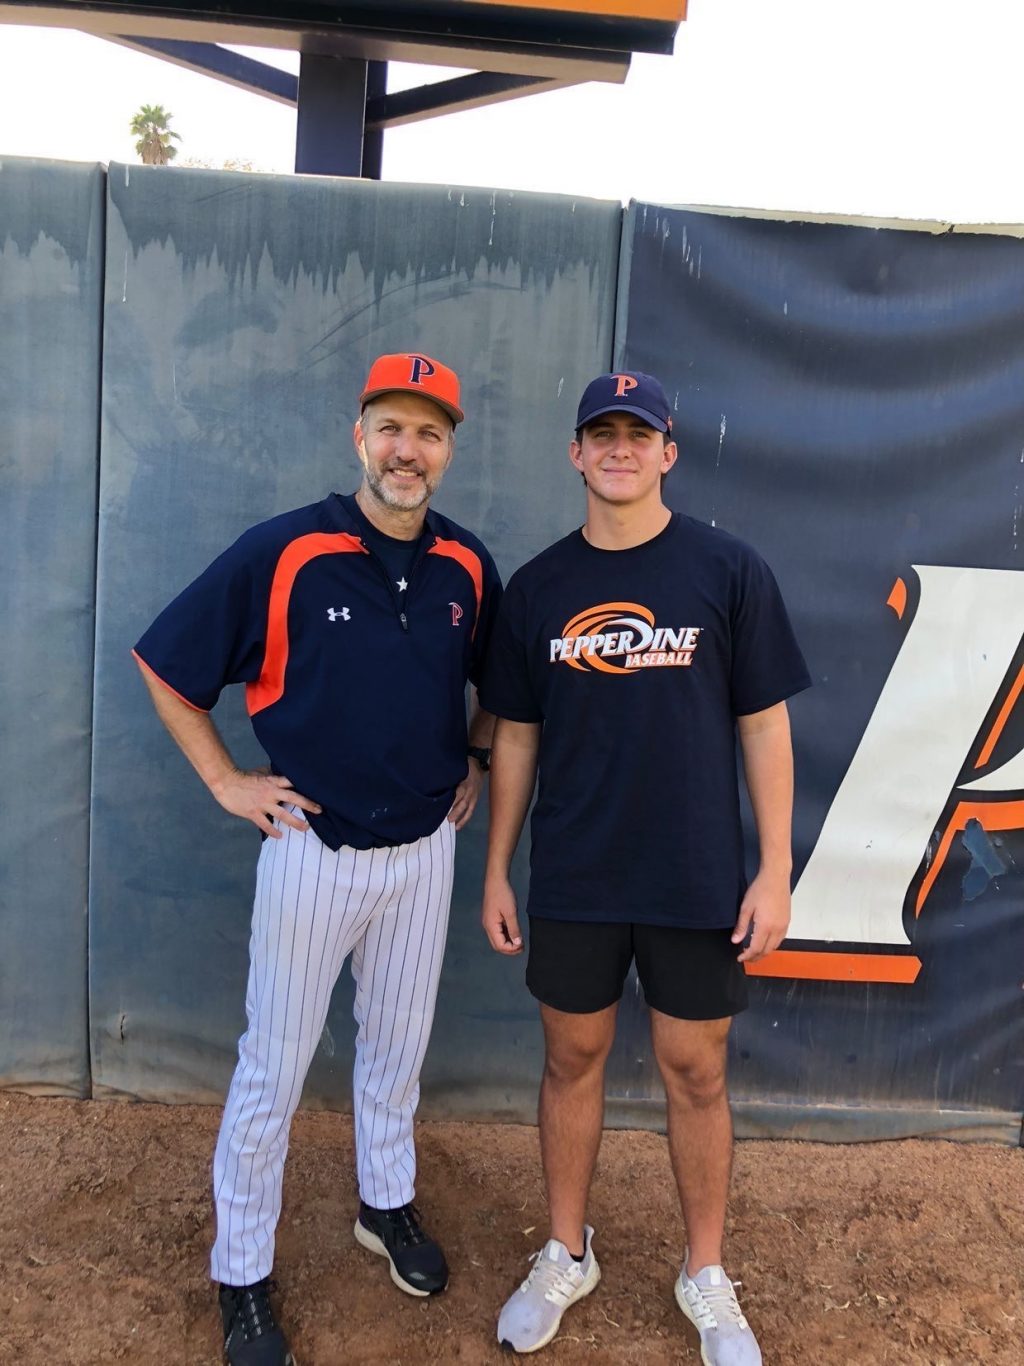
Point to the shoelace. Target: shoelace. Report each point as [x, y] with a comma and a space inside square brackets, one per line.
[253, 1312]
[406, 1223]
[716, 1306]
[558, 1283]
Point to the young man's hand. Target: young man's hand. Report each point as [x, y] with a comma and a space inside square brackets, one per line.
[766, 904]
[500, 918]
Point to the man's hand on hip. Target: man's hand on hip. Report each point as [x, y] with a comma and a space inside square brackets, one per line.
[259, 797]
[466, 795]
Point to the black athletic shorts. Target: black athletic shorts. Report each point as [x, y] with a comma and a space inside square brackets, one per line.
[580, 966]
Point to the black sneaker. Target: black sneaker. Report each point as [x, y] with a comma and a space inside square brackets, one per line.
[417, 1263]
[251, 1334]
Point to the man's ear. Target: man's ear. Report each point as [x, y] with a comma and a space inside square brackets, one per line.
[359, 442]
[576, 455]
[669, 457]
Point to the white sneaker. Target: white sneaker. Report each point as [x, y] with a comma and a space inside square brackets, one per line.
[709, 1301]
[531, 1317]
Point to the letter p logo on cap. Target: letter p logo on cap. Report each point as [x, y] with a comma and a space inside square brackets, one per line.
[635, 393]
[417, 374]
[422, 369]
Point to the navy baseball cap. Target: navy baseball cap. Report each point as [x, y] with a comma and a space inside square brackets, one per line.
[628, 391]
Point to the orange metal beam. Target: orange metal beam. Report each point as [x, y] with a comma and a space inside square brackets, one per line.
[660, 11]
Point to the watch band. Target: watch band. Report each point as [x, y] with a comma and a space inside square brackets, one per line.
[481, 755]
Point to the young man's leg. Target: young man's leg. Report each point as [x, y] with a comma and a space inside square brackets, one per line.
[397, 966]
[571, 1114]
[694, 986]
[691, 1056]
[576, 971]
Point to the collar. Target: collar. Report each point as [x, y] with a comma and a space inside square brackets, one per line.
[346, 513]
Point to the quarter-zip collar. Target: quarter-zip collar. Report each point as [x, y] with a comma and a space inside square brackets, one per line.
[344, 509]
[346, 513]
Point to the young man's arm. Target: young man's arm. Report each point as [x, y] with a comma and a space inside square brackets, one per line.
[255, 796]
[768, 765]
[513, 774]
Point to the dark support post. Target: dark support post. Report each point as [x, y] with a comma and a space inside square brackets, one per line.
[331, 115]
[373, 138]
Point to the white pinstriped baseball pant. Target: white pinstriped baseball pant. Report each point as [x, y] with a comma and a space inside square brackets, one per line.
[389, 909]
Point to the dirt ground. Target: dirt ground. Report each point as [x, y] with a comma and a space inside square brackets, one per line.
[879, 1253]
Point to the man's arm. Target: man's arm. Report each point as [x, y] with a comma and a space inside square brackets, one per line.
[467, 794]
[513, 774]
[255, 796]
[768, 765]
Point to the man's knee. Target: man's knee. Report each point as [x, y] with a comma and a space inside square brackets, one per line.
[696, 1081]
[573, 1057]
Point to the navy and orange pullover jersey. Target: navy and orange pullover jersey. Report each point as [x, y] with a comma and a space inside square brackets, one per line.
[355, 691]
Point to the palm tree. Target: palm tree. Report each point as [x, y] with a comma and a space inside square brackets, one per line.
[151, 125]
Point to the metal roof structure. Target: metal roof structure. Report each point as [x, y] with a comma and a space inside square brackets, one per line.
[512, 47]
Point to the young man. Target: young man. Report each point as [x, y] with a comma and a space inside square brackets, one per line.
[354, 624]
[625, 659]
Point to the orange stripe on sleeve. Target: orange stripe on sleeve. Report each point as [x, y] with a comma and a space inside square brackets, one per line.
[164, 684]
[455, 550]
[269, 687]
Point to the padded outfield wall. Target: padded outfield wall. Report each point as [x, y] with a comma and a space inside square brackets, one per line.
[851, 400]
[241, 315]
[51, 274]
[847, 399]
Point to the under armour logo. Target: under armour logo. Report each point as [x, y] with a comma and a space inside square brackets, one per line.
[456, 613]
[334, 613]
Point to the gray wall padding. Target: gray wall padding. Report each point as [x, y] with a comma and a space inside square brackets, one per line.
[51, 270]
[241, 316]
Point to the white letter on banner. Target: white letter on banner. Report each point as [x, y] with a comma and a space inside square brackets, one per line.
[952, 664]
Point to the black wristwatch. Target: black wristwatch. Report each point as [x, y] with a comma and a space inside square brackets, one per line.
[481, 755]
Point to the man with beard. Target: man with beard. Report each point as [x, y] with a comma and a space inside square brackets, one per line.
[354, 624]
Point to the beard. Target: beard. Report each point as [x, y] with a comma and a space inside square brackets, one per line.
[397, 498]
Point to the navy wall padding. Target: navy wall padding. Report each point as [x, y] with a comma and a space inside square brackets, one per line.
[850, 400]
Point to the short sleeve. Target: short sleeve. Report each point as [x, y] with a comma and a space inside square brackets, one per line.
[767, 665]
[507, 688]
[214, 632]
[490, 604]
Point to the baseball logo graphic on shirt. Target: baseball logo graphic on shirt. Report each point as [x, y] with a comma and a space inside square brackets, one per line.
[339, 614]
[457, 613]
[626, 632]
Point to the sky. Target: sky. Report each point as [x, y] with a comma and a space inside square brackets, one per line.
[883, 108]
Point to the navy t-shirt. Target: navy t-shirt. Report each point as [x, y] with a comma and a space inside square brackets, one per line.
[355, 690]
[637, 662]
[397, 556]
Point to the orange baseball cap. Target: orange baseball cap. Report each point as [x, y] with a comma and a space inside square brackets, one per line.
[415, 373]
